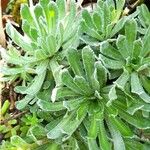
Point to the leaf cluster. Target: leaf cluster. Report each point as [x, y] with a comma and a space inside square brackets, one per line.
[87, 74]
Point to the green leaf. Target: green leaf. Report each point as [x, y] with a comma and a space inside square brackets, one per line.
[61, 8]
[68, 81]
[117, 138]
[119, 25]
[137, 47]
[83, 85]
[137, 121]
[146, 83]
[62, 92]
[108, 50]
[131, 33]
[68, 125]
[121, 45]
[103, 139]
[137, 88]
[21, 104]
[51, 107]
[122, 80]
[52, 17]
[88, 57]
[146, 43]
[74, 61]
[20, 40]
[18, 141]
[101, 73]
[88, 19]
[111, 63]
[73, 103]
[122, 127]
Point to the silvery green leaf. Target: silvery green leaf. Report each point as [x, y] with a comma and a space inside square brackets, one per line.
[101, 73]
[52, 17]
[116, 138]
[131, 34]
[122, 127]
[132, 109]
[20, 40]
[68, 125]
[146, 43]
[102, 136]
[144, 15]
[111, 63]
[88, 58]
[97, 19]
[88, 19]
[67, 80]
[62, 92]
[89, 40]
[95, 83]
[107, 49]
[55, 68]
[122, 80]
[119, 25]
[112, 95]
[137, 121]
[83, 85]
[49, 106]
[36, 132]
[74, 61]
[17, 141]
[21, 104]
[61, 8]
[121, 45]
[90, 32]
[136, 87]
[73, 40]
[92, 144]
[73, 103]
[40, 54]
[145, 114]
[51, 45]
[145, 83]
[27, 15]
[69, 20]
[137, 47]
